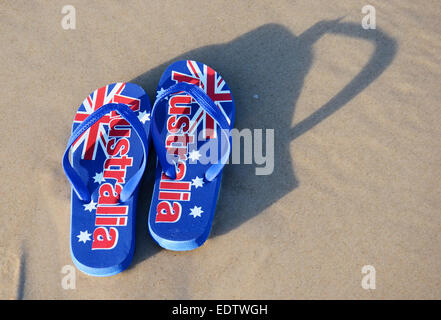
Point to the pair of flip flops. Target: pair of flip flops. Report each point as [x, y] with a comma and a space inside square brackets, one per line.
[106, 157]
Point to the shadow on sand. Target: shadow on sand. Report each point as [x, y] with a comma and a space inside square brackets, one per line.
[272, 62]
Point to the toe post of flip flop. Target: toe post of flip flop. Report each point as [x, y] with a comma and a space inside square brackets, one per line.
[190, 126]
[104, 161]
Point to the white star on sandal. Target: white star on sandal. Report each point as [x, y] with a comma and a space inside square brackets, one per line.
[144, 116]
[194, 155]
[90, 206]
[196, 212]
[99, 177]
[84, 236]
[197, 182]
[160, 92]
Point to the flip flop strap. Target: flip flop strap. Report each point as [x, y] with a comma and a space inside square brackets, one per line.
[211, 109]
[127, 113]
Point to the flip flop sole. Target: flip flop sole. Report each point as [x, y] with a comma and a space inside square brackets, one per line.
[106, 156]
[182, 209]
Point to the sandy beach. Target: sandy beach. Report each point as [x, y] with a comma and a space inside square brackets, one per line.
[357, 167]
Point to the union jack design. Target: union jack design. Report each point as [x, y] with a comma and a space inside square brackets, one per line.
[213, 85]
[97, 134]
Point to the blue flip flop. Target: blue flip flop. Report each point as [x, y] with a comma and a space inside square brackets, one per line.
[108, 148]
[191, 122]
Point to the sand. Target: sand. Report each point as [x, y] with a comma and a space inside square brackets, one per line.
[356, 117]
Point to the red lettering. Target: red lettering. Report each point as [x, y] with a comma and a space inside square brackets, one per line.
[175, 101]
[175, 185]
[166, 213]
[175, 126]
[104, 239]
[179, 196]
[181, 169]
[114, 124]
[122, 162]
[177, 144]
[121, 146]
[110, 221]
[118, 175]
[114, 210]
[108, 195]
[133, 103]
